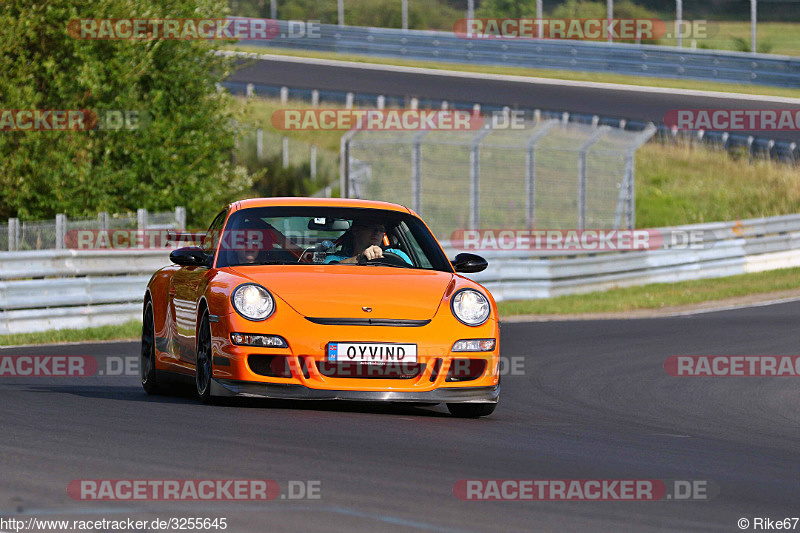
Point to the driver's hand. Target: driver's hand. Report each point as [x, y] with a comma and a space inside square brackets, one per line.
[373, 252]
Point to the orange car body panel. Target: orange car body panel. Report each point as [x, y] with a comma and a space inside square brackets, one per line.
[302, 291]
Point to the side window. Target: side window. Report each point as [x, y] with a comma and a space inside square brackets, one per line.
[418, 255]
[214, 233]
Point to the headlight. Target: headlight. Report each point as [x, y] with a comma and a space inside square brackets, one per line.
[253, 302]
[470, 307]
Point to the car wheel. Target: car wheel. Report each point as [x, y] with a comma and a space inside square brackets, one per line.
[203, 368]
[147, 361]
[471, 410]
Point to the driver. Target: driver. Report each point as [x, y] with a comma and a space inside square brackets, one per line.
[363, 240]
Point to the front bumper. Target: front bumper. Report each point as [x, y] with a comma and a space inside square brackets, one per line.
[228, 387]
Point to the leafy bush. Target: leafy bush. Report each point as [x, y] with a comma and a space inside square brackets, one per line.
[181, 157]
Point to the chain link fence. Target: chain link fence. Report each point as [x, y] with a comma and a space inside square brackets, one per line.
[24, 235]
[257, 145]
[547, 174]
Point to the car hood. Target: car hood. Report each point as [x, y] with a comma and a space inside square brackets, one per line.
[338, 291]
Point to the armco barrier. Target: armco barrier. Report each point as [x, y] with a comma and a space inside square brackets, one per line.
[80, 288]
[88, 288]
[617, 58]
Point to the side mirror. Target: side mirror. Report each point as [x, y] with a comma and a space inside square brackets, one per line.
[469, 263]
[189, 256]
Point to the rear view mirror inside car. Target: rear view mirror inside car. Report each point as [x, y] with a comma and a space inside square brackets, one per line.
[328, 224]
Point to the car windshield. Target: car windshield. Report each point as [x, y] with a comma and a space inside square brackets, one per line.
[350, 237]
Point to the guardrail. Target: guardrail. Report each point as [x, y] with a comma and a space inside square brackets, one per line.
[617, 58]
[76, 289]
[82, 288]
[728, 248]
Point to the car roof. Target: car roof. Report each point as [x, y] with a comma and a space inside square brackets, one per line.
[299, 201]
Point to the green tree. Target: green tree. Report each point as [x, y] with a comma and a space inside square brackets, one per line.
[180, 156]
[507, 9]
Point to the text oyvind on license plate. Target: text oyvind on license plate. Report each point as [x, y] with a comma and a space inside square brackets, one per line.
[372, 352]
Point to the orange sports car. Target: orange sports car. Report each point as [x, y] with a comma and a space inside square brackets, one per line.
[311, 298]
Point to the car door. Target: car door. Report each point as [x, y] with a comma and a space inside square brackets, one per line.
[187, 286]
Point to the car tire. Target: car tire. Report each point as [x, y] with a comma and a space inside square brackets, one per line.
[147, 360]
[203, 369]
[471, 410]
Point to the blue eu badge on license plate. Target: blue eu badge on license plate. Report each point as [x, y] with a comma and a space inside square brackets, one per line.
[333, 351]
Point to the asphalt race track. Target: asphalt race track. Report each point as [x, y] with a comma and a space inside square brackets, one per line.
[594, 402]
[636, 103]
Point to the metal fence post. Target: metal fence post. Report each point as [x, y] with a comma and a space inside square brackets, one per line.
[312, 163]
[13, 234]
[344, 163]
[416, 170]
[285, 152]
[284, 94]
[180, 217]
[61, 230]
[273, 9]
[141, 219]
[583, 152]
[475, 179]
[259, 144]
[530, 173]
[630, 162]
[102, 217]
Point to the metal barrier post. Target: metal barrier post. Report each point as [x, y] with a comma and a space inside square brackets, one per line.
[61, 230]
[180, 217]
[583, 151]
[13, 234]
[344, 163]
[475, 179]
[312, 163]
[141, 219]
[530, 173]
[416, 170]
[102, 217]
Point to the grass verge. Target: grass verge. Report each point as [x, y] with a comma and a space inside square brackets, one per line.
[131, 330]
[599, 77]
[657, 295]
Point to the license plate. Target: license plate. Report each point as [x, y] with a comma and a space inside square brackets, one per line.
[372, 352]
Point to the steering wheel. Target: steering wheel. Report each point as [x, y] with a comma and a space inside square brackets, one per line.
[389, 258]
